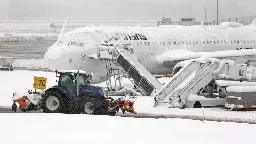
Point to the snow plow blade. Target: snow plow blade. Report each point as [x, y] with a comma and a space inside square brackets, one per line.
[125, 105]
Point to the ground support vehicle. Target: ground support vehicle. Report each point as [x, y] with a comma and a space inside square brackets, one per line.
[73, 94]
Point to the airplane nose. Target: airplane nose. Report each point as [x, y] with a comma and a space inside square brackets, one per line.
[51, 57]
[65, 58]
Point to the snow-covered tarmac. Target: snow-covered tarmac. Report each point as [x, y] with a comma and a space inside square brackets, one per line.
[21, 81]
[77, 129]
[42, 128]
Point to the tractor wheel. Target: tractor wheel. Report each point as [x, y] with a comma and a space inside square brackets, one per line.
[112, 113]
[197, 104]
[94, 107]
[53, 102]
[14, 107]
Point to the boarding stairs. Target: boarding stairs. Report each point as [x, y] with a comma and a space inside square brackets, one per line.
[193, 78]
[196, 82]
[120, 56]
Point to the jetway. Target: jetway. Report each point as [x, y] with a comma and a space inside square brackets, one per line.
[196, 78]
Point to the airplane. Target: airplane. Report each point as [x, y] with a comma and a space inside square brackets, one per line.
[159, 49]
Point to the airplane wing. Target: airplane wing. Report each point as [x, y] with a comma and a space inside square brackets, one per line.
[171, 57]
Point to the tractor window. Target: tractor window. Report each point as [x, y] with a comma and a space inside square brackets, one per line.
[64, 78]
[81, 80]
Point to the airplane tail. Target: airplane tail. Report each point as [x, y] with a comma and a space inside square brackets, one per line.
[62, 30]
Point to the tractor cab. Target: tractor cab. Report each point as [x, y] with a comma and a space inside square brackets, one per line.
[73, 80]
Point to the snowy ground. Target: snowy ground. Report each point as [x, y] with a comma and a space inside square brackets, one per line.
[41, 128]
[87, 129]
[21, 81]
[146, 106]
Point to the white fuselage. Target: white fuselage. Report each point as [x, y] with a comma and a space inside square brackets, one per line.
[149, 43]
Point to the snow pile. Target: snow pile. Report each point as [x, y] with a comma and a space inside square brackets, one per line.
[29, 30]
[230, 24]
[29, 63]
[28, 38]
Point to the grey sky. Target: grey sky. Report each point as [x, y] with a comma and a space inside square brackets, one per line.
[122, 10]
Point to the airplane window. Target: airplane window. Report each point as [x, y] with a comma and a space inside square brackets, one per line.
[218, 42]
[182, 42]
[189, 42]
[207, 42]
[248, 41]
[234, 41]
[221, 41]
[231, 42]
[237, 41]
[164, 43]
[225, 41]
[194, 43]
[141, 43]
[214, 42]
[149, 43]
[244, 41]
[145, 43]
[211, 42]
[138, 43]
[174, 42]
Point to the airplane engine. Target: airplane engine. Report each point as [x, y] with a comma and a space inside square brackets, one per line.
[179, 66]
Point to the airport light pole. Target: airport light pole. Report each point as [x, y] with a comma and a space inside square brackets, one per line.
[205, 15]
[217, 12]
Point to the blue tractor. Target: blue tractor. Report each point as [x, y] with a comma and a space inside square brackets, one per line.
[74, 95]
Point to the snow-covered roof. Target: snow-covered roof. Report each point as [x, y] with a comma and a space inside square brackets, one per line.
[72, 71]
